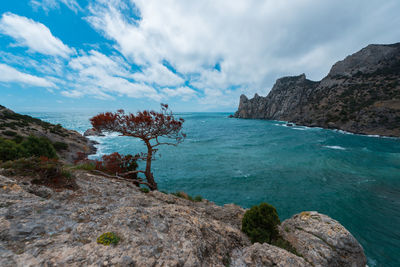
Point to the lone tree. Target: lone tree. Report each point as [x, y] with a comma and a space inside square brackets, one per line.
[149, 126]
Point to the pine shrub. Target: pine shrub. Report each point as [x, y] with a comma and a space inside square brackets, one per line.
[260, 223]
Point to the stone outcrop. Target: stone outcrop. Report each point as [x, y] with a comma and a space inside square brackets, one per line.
[92, 132]
[322, 241]
[361, 94]
[13, 124]
[42, 227]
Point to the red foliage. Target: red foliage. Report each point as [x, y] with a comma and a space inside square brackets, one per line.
[116, 163]
[80, 157]
[146, 125]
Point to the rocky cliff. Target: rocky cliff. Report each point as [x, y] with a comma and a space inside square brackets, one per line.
[13, 125]
[42, 227]
[361, 94]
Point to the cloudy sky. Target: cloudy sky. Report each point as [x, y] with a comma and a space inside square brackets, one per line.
[195, 55]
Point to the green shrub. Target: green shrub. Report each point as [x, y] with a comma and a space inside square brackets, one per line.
[198, 199]
[9, 150]
[108, 238]
[60, 146]
[184, 195]
[260, 223]
[87, 166]
[44, 171]
[144, 190]
[18, 139]
[9, 133]
[39, 146]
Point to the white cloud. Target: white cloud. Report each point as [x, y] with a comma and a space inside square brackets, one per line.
[183, 92]
[255, 42]
[9, 74]
[34, 35]
[103, 77]
[47, 5]
[158, 74]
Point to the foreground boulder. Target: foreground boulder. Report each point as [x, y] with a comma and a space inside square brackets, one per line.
[322, 241]
[42, 227]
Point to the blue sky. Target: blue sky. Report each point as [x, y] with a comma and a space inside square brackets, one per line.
[195, 55]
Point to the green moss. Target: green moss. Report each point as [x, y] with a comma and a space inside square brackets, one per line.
[108, 238]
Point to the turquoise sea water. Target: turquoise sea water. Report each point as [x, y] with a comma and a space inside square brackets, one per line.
[354, 179]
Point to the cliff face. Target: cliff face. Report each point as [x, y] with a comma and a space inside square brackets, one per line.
[42, 227]
[13, 124]
[361, 94]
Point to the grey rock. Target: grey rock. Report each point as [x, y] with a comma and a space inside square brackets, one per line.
[266, 255]
[322, 241]
[92, 132]
[156, 229]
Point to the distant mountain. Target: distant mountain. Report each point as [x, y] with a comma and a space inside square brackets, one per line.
[361, 94]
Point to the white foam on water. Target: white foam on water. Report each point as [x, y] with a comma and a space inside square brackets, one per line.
[335, 147]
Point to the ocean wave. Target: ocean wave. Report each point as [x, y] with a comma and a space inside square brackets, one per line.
[335, 147]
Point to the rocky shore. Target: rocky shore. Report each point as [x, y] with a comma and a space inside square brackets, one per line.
[13, 125]
[361, 94]
[44, 227]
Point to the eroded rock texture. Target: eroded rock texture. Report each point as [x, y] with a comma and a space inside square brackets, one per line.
[42, 227]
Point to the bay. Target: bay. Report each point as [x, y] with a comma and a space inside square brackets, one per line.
[352, 178]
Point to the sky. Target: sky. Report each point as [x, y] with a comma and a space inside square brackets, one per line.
[98, 55]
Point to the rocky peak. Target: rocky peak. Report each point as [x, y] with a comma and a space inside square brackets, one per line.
[361, 94]
[367, 60]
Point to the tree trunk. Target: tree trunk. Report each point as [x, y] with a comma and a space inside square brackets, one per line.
[148, 173]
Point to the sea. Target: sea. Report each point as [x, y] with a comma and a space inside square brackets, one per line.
[354, 179]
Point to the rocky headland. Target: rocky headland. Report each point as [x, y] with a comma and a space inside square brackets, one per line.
[44, 227]
[14, 125]
[361, 94]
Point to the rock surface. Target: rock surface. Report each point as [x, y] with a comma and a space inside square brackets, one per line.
[92, 132]
[322, 241]
[24, 125]
[41, 227]
[361, 94]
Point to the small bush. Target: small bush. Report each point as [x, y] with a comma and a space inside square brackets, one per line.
[187, 196]
[117, 163]
[9, 150]
[39, 146]
[45, 171]
[18, 139]
[108, 238]
[198, 199]
[260, 223]
[144, 190]
[59, 146]
[87, 166]
[9, 133]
